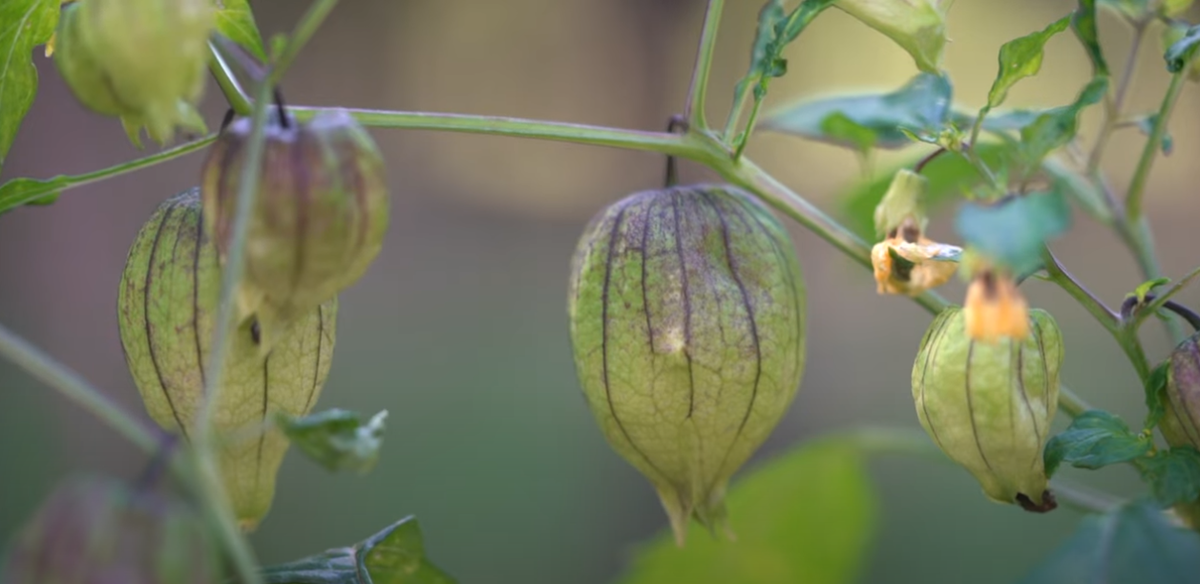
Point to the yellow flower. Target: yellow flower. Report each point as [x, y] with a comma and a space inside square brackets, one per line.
[905, 262]
[995, 309]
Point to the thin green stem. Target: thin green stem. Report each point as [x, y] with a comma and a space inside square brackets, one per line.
[309, 23]
[1114, 108]
[22, 191]
[694, 110]
[1100, 311]
[44, 368]
[227, 82]
[1070, 403]
[741, 144]
[1137, 187]
[216, 500]
[735, 110]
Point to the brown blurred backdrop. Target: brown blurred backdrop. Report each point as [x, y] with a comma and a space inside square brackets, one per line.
[459, 329]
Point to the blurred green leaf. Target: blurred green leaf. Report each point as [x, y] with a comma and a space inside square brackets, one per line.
[1083, 22]
[806, 516]
[236, 21]
[1132, 544]
[1013, 231]
[336, 439]
[1056, 127]
[29, 191]
[1156, 384]
[24, 24]
[1021, 58]
[998, 122]
[1094, 440]
[840, 128]
[921, 105]
[395, 555]
[917, 26]
[1146, 125]
[1174, 475]
[1180, 53]
[1173, 8]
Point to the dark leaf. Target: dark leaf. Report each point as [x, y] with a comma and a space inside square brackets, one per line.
[24, 24]
[336, 439]
[921, 106]
[395, 555]
[1094, 440]
[1174, 475]
[1132, 544]
[1156, 384]
[1014, 231]
[806, 516]
[1083, 22]
[236, 21]
[1021, 58]
[1180, 53]
[1056, 127]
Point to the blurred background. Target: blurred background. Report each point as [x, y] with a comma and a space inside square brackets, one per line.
[460, 331]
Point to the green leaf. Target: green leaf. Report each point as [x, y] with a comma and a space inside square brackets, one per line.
[841, 129]
[1174, 475]
[1056, 127]
[24, 24]
[1146, 125]
[395, 555]
[336, 439]
[1156, 384]
[1180, 53]
[236, 21]
[917, 26]
[1094, 440]
[1021, 58]
[1147, 287]
[806, 516]
[1014, 231]
[1132, 544]
[921, 105]
[998, 122]
[1083, 23]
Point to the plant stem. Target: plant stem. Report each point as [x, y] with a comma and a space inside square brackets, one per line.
[694, 110]
[1137, 187]
[58, 184]
[227, 81]
[309, 23]
[44, 368]
[215, 499]
[741, 144]
[1102, 313]
[1114, 110]
[735, 110]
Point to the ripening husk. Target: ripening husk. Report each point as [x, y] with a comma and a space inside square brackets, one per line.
[167, 312]
[687, 314]
[989, 406]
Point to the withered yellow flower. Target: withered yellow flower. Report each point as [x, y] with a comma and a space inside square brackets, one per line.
[995, 309]
[905, 262]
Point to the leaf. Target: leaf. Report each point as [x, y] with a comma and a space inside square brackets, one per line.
[1180, 53]
[806, 516]
[1094, 440]
[28, 191]
[1147, 287]
[1056, 127]
[1132, 544]
[24, 24]
[1174, 475]
[1083, 23]
[395, 555]
[921, 105]
[840, 128]
[236, 21]
[1156, 384]
[1146, 125]
[1021, 58]
[917, 26]
[1014, 231]
[336, 439]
